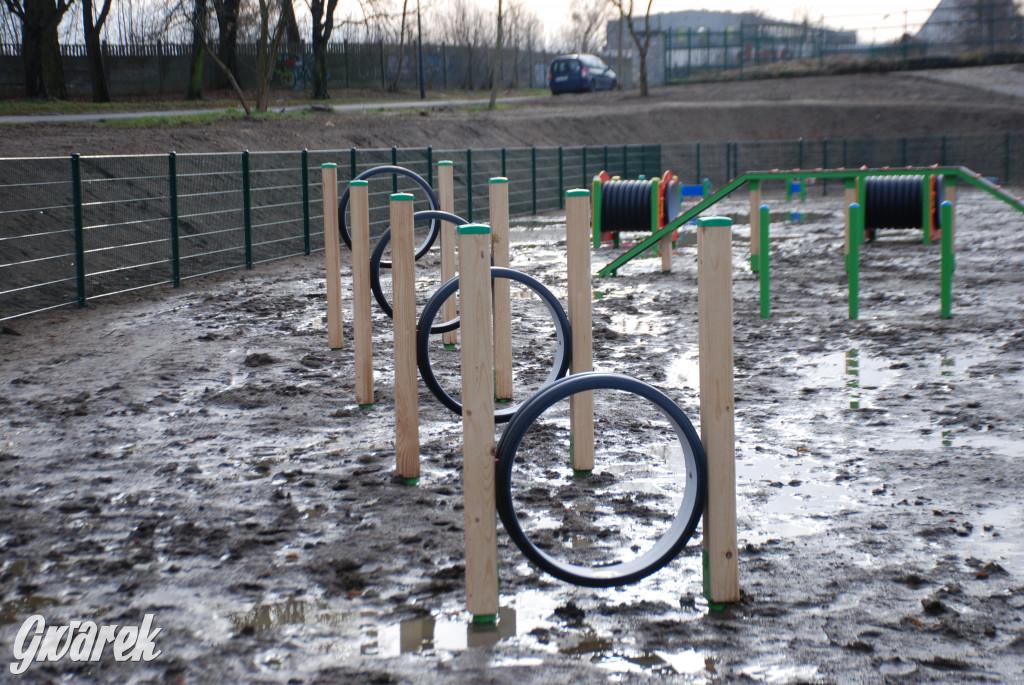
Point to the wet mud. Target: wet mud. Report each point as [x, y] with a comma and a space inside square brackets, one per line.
[197, 454]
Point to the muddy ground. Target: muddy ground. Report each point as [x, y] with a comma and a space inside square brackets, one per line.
[197, 454]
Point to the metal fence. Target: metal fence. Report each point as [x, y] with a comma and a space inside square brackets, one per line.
[81, 228]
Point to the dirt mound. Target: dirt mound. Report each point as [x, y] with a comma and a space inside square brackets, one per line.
[861, 105]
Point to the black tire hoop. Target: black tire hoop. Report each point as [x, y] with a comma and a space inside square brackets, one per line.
[377, 262]
[435, 226]
[668, 545]
[559, 366]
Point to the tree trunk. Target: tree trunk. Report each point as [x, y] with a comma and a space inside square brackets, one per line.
[320, 71]
[291, 26]
[266, 52]
[401, 50]
[227, 48]
[496, 66]
[32, 50]
[323, 24]
[195, 74]
[643, 72]
[54, 83]
[93, 27]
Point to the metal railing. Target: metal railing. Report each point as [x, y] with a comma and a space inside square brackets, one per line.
[74, 229]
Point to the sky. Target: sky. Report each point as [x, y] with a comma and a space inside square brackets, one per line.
[882, 19]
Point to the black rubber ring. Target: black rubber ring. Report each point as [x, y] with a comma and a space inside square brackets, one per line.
[377, 263]
[668, 545]
[435, 226]
[559, 366]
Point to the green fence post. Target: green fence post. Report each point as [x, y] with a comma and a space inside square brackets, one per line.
[596, 198]
[824, 165]
[172, 184]
[948, 259]
[1006, 159]
[247, 208]
[926, 210]
[469, 184]
[533, 176]
[856, 237]
[763, 258]
[352, 166]
[305, 201]
[394, 162]
[429, 154]
[561, 180]
[76, 200]
[504, 166]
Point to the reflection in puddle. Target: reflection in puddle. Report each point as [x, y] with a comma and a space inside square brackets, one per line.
[428, 633]
[289, 611]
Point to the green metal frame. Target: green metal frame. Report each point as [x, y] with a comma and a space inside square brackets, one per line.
[960, 173]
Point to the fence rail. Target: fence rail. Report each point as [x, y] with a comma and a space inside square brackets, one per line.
[74, 229]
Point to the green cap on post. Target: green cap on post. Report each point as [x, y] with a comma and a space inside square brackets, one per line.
[328, 165]
[359, 183]
[473, 229]
[402, 197]
[446, 163]
[577, 192]
[714, 221]
[498, 179]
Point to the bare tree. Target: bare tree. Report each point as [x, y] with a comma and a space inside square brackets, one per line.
[496, 63]
[40, 46]
[196, 65]
[582, 32]
[401, 48]
[323, 25]
[227, 33]
[93, 27]
[272, 24]
[625, 8]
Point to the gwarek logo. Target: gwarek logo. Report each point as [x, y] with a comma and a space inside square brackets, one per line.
[82, 641]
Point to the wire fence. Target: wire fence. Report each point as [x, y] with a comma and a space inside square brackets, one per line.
[75, 229]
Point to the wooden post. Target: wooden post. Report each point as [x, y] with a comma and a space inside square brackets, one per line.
[849, 198]
[715, 339]
[581, 405]
[332, 256]
[362, 325]
[403, 277]
[498, 197]
[755, 226]
[478, 422]
[446, 201]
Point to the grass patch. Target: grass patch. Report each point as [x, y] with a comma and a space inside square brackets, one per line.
[161, 121]
[26, 106]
